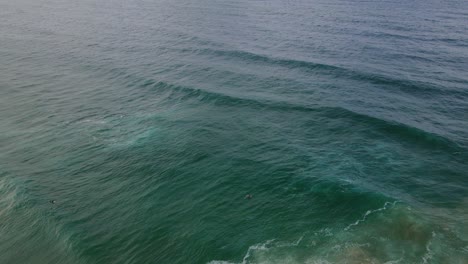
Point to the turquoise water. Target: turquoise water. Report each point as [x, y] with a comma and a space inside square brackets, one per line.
[148, 122]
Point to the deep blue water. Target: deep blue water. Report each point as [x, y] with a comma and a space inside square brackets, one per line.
[132, 131]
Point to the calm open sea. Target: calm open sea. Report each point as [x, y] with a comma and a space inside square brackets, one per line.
[132, 130]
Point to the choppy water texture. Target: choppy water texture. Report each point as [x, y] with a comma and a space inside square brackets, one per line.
[148, 122]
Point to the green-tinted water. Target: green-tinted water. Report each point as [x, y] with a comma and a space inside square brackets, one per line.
[148, 122]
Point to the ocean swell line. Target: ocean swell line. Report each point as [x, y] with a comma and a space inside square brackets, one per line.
[408, 86]
[404, 131]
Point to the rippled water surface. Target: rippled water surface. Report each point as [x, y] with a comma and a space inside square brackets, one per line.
[132, 130]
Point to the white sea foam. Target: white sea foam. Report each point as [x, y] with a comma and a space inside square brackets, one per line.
[256, 247]
[265, 246]
[94, 121]
[429, 254]
[324, 232]
[385, 207]
[394, 261]
[8, 196]
[289, 244]
[351, 247]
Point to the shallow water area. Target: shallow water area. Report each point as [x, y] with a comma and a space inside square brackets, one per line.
[148, 123]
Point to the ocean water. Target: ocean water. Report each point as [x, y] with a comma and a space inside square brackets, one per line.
[149, 121]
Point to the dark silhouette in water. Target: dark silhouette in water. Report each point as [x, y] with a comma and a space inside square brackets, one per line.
[52, 201]
[248, 196]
